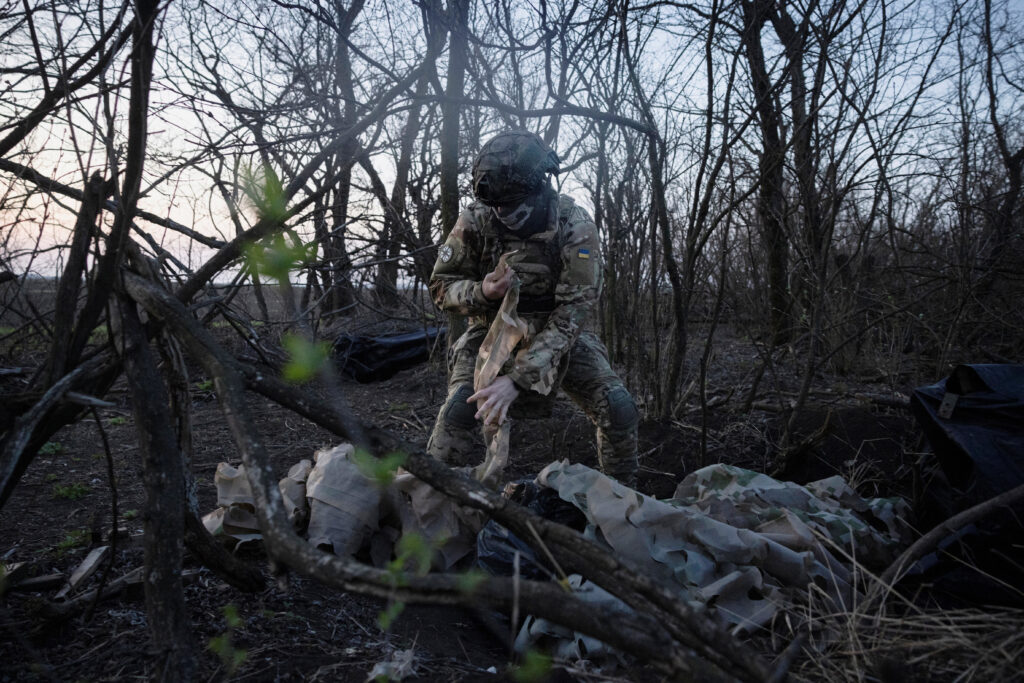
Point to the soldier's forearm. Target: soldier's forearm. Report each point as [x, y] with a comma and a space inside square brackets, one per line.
[463, 297]
[537, 368]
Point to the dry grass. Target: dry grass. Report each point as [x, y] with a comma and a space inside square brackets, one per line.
[898, 640]
[932, 645]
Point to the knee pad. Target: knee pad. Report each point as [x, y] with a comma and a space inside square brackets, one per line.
[458, 413]
[622, 412]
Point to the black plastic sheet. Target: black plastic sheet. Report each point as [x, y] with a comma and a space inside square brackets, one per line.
[979, 438]
[974, 421]
[496, 546]
[374, 359]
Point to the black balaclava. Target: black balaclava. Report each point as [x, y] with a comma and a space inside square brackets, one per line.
[527, 216]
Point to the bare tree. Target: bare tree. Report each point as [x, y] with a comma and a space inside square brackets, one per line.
[839, 175]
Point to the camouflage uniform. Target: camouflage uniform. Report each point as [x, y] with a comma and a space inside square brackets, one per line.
[559, 269]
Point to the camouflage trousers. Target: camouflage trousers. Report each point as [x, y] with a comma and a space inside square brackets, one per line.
[589, 381]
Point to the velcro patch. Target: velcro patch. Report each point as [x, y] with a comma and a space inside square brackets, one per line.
[583, 253]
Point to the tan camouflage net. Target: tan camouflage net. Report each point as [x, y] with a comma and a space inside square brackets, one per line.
[341, 510]
[504, 334]
[738, 542]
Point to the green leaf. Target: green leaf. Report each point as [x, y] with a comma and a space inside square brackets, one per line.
[231, 616]
[51, 448]
[223, 645]
[389, 614]
[536, 665]
[412, 550]
[72, 491]
[220, 644]
[74, 539]
[305, 358]
[381, 471]
[471, 580]
[265, 190]
[276, 257]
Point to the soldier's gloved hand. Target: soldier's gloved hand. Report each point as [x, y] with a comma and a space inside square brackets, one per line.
[497, 282]
[493, 401]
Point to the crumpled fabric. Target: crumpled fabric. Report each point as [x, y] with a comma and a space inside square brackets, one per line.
[235, 516]
[563, 643]
[343, 503]
[870, 529]
[293, 491]
[504, 334]
[738, 542]
[422, 509]
[346, 511]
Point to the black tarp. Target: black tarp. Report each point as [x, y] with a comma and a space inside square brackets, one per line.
[496, 546]
[974, 421]
[979, 438]
[373, 359]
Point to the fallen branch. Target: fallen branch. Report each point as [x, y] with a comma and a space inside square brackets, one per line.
[661, 631]
[930, 540]
[68, 608]
[15, 453]
[65, 609]
[898, 401]
[84, 570]
[574, 552]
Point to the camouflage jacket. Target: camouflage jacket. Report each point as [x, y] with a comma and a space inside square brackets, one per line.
[560, 281]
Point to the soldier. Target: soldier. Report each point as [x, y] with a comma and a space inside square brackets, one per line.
[552, 245]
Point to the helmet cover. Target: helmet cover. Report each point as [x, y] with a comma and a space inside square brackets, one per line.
[511, 166]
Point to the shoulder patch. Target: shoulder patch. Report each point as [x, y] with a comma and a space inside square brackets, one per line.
[583, 253]
[445, 253]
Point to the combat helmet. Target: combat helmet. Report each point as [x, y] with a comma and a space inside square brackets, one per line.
[511, 166]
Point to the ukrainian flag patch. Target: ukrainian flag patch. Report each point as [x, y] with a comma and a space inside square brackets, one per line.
[583, 253]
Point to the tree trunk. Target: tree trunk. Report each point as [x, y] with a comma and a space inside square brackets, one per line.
[341, 294]
[71, 279]
[458, 16]
[164, 513]
[771, 199]
[661, 218]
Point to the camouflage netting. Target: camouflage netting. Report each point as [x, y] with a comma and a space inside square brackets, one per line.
[737, 542]
[343, 511]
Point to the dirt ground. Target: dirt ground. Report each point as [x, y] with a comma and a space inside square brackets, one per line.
[302, 631]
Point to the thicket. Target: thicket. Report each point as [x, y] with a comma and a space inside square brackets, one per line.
[838, 181]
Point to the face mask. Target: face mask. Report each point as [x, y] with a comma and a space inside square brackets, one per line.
[514, 217]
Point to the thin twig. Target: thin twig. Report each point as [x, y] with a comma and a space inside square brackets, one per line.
[112, 478]
[780, 670]
[551, 558]
[928, 542]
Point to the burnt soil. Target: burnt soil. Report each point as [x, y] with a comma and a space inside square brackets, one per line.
[299, 630]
